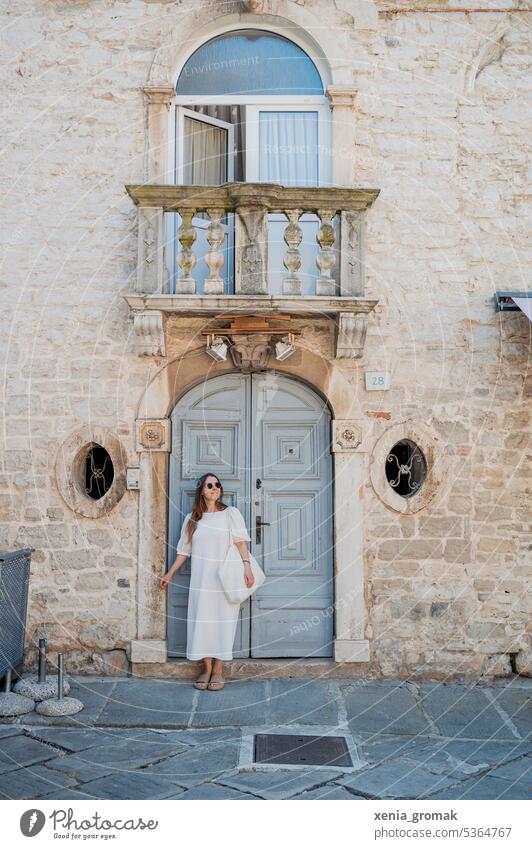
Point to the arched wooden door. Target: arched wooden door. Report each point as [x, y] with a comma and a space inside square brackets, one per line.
[267, 437]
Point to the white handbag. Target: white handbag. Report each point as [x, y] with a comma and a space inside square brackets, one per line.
[231, 575]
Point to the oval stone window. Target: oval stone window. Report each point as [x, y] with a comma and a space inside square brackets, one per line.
[98, 472]
[406, 468]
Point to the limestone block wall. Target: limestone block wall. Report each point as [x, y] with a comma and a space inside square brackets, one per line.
[441, 126]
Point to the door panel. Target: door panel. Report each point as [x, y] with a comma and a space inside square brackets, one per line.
[209, 434]
[267, 436]
[292, 463]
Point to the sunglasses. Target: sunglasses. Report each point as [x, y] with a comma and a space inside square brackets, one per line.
[211, 485]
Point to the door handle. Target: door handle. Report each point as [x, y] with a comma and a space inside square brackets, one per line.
[258, 532]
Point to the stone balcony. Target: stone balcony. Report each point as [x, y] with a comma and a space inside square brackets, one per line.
[337, 284]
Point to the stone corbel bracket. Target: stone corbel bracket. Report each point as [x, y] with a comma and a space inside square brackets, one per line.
[148, 333]
[351, 335]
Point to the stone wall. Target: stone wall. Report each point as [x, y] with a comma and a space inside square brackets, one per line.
[447, 147]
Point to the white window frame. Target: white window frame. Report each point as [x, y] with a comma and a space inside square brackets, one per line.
[288, 103]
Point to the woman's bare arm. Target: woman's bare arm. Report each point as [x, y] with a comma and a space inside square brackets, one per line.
[178, 562]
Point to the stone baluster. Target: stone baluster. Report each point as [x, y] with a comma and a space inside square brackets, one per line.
[292, 258]
[214, 284]
[325, 284]
[185, 259]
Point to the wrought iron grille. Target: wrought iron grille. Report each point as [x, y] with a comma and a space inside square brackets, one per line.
[406, 468]
[14, 583]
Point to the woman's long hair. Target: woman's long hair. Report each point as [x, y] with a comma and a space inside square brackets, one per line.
[199, 507]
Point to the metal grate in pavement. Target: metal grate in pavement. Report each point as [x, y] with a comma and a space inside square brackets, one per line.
[301, 750]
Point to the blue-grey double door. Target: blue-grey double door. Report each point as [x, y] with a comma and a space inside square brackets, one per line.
[267, 437]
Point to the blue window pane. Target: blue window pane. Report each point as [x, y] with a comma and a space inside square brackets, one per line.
[249, 62]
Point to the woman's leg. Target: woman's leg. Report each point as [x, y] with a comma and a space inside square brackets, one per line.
[203, 679]
[217, 679]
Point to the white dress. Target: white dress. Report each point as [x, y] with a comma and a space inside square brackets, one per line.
[211, 618]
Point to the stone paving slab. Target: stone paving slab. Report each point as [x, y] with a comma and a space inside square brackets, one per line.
[192, 767]
[277, 783]
[79, 768]
[33, 782]
[200, 736]
[485, 787]
[519, 770]
[464, 712]
[390, 710]
[93, 695]
[241, 699]
[20, 751]
[329, 791]
[143, 702]
[299, 701]
[131, 785]
[73, 795]
[77, 739]
[396, 779]
[209, 790]
[517, 704]
[9, 731]
[125, 756]
[462, 758]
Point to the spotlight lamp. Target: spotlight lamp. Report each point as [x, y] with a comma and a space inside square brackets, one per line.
[285, 347]
[216, 348]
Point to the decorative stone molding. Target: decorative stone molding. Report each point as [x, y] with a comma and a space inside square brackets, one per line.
[342, 96]
[69, 471]
[153, 435]
[150, 264]
[491, 51]
[148, 333]
[430, 444]
[251, 353]
[159, 95]
[346, 436]
[351, 335]
[352, 275]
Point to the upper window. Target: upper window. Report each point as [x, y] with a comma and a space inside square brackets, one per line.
[249, 62]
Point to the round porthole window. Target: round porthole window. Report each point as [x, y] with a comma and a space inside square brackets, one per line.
[406, 468]
[90, 471]
[98, 472]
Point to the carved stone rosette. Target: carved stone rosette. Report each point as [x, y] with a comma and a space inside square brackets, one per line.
[153, 434]
[347, 435]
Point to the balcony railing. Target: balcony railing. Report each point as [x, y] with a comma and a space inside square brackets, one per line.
[331, 218]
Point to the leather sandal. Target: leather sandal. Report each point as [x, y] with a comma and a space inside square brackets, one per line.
[202, 681]
[217, 680]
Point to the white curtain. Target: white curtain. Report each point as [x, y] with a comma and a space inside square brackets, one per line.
[205, 154]
[288, 148]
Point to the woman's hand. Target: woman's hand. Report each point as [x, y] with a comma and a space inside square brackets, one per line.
[248, 575]
[165, 580]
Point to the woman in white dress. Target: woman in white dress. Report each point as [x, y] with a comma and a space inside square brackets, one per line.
[206, 534]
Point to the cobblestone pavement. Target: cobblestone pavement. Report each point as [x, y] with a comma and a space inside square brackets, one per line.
[155, 739]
